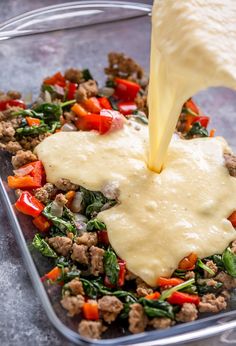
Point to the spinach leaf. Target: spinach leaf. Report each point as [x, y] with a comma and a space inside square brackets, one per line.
[111, 266]
[65, 223]
[42, 246]
[93, 202]
[157, 308]
[229, 260]
[203, 288]
[32, 130]
[94, 288]
[51, 111]
[180, 273]
[141, 117]
[203, 266]
[217, 259]
[197, 129]
[86, 74]
[95, 225]
[29, 113]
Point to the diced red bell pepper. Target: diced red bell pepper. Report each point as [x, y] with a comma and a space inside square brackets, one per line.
[192, 105]
[153, 296]
[97, 122]
[103, 237]
[122, 271]
[92, 105]
[32, 180]
[126, 90]
[179, 298]
[90, 310]
[33, 121]
[42, 223]
[70, 195]
[104, 103]
[11, 103]
[71, 89]
[188, 263]
[56, 79]
[53, 275]
[232, 218]
[127, 108]
[203, 120]
[161, 281]
[29, 205]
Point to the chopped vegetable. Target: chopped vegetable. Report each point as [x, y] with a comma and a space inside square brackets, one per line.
[103, 237]
[29, 205]
[57, 79]
[161, 281]
[180, 298]
[104, 103]
[127, 108]
[42, 246]
[54, 275]
[232, 218]
[87, 74]
[197, 130]
[42, 223]
[95, 224]
[11, 103]
[33, 121]
[126, 90]
[205, 267]
[154, 295]
[71, 89]
[203, 120]
[92, 105]
[166, 294]
[79, 110]
[229, 260]
[33, 178]
[65, 223]
[70, 195]
[212, 133]
[90, 310]
[156, 308]
[122, 271]
[188, 263]
[111, 266]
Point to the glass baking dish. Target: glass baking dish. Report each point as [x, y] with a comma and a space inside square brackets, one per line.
[80, 34]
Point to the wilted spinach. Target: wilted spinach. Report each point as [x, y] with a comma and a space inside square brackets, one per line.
[111, 266]
[93, 202]
[157, 308]
[42, 246]
[140, 116]
[229, 260]
[204, 288]
[197, 129]
[87, 74]
[95, 225]
[65, 223]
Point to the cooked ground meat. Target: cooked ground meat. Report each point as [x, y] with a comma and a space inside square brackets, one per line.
[97, 255]
[12, 94]
[160, 322]
[211, 303]
[23, 157]
[11, 146]
[124, 67]
[230, 162]
[228, 281]
[110, 307]
[66, 185]
[30, 142]
[69, 116]
[73, 75]
[46, 193]
[61, 200]
[62, 245]
[7, 131]
[212, 266]
[73, 304]
[225, 294]
[187, 313]
[189, 275]
[80, 253]
[142, 288]
[90, 329]
[86, 90]
[129, 275]
[87, 238]
[75, 286]
[137, 319]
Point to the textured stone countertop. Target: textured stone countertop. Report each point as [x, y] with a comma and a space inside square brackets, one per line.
[22, 318]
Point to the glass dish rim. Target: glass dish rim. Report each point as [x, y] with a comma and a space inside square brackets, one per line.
[173, 335]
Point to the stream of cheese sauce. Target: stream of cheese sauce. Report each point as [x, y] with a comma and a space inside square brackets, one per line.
[162, 218]
[193, 47]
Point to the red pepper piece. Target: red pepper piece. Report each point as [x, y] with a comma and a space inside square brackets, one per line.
[161, 281]
[56, 79]
[79, 110]
[107, 283]
[104, 103]
[188, 263]
[179, 298]
[127, 108]
[122, 271]
[92, 105]
[53, 275]
[97, 122]
[126, 90]
[29, 205]
[153, 296]
[103, 237]
[203, 120]
[33, 180]
[90, 310]
[232, 218]
[33, 121]
[192, 105]
[42, 223]
[71, 89]
[11, 103]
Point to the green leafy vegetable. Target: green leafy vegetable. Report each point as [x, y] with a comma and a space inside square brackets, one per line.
[93, 202]
[179, 273]
[86, 74]
[111, 266]
[29, 113]
[217, 259]
[197, 130]
[65, 223]
[229, 260]
[200, 264]
[95, 225]
[166, 294]
[42, 246]
[204, 288]
[32, 130]
[140, 116]
[157, 308]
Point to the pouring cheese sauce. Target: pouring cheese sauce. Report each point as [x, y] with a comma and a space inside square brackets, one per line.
[163, 217]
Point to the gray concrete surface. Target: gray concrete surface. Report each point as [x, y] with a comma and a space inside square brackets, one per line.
[22, 319]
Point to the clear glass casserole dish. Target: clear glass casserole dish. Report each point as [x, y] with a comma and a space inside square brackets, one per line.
[80, 34]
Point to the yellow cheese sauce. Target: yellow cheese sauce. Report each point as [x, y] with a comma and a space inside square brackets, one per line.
[161, 218]
[193, 47]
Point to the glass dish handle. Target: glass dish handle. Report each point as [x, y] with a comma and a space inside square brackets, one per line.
[71, 15]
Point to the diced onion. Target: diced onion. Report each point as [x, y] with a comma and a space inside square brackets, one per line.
[76, 205]
[68, 127]
[21, 172]
[56, 209]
